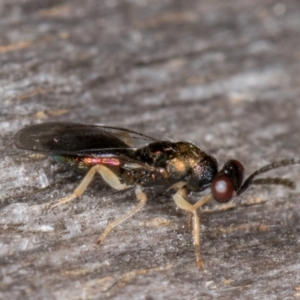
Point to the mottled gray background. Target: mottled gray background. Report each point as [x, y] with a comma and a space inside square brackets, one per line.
[222, 74]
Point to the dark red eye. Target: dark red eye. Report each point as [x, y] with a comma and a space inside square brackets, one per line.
[222, 188]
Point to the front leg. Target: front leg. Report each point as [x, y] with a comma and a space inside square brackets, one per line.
[181, 202]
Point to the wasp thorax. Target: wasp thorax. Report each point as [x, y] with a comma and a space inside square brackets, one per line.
[203, 173]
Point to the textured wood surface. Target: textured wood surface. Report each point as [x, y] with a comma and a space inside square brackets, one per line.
[222, 74]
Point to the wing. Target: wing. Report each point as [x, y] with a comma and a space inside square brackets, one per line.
[79, 140]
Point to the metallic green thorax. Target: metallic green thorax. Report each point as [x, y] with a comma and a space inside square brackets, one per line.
[181, 161]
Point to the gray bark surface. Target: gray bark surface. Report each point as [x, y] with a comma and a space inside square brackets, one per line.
[224, 75]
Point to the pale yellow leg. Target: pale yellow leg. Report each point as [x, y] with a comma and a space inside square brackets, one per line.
[202, 201]
[109, 177]
[182, 203]
[141, 196]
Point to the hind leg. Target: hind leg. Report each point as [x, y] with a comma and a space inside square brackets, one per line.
[109, 177]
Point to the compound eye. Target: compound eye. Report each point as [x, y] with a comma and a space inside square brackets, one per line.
[222, 188]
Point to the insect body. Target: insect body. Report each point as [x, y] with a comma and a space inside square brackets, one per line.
[128, 159]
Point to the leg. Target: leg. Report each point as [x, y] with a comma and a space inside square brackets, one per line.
[109, 177]
[182, 203]
[197, 205]
[202, 201]
[141, 196]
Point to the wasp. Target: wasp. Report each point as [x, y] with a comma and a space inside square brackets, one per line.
[127, 159]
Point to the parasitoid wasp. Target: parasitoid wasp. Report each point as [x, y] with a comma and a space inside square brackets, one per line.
[128, 159]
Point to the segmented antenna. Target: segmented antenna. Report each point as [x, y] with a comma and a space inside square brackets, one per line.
[286, 182]
[275, 181]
